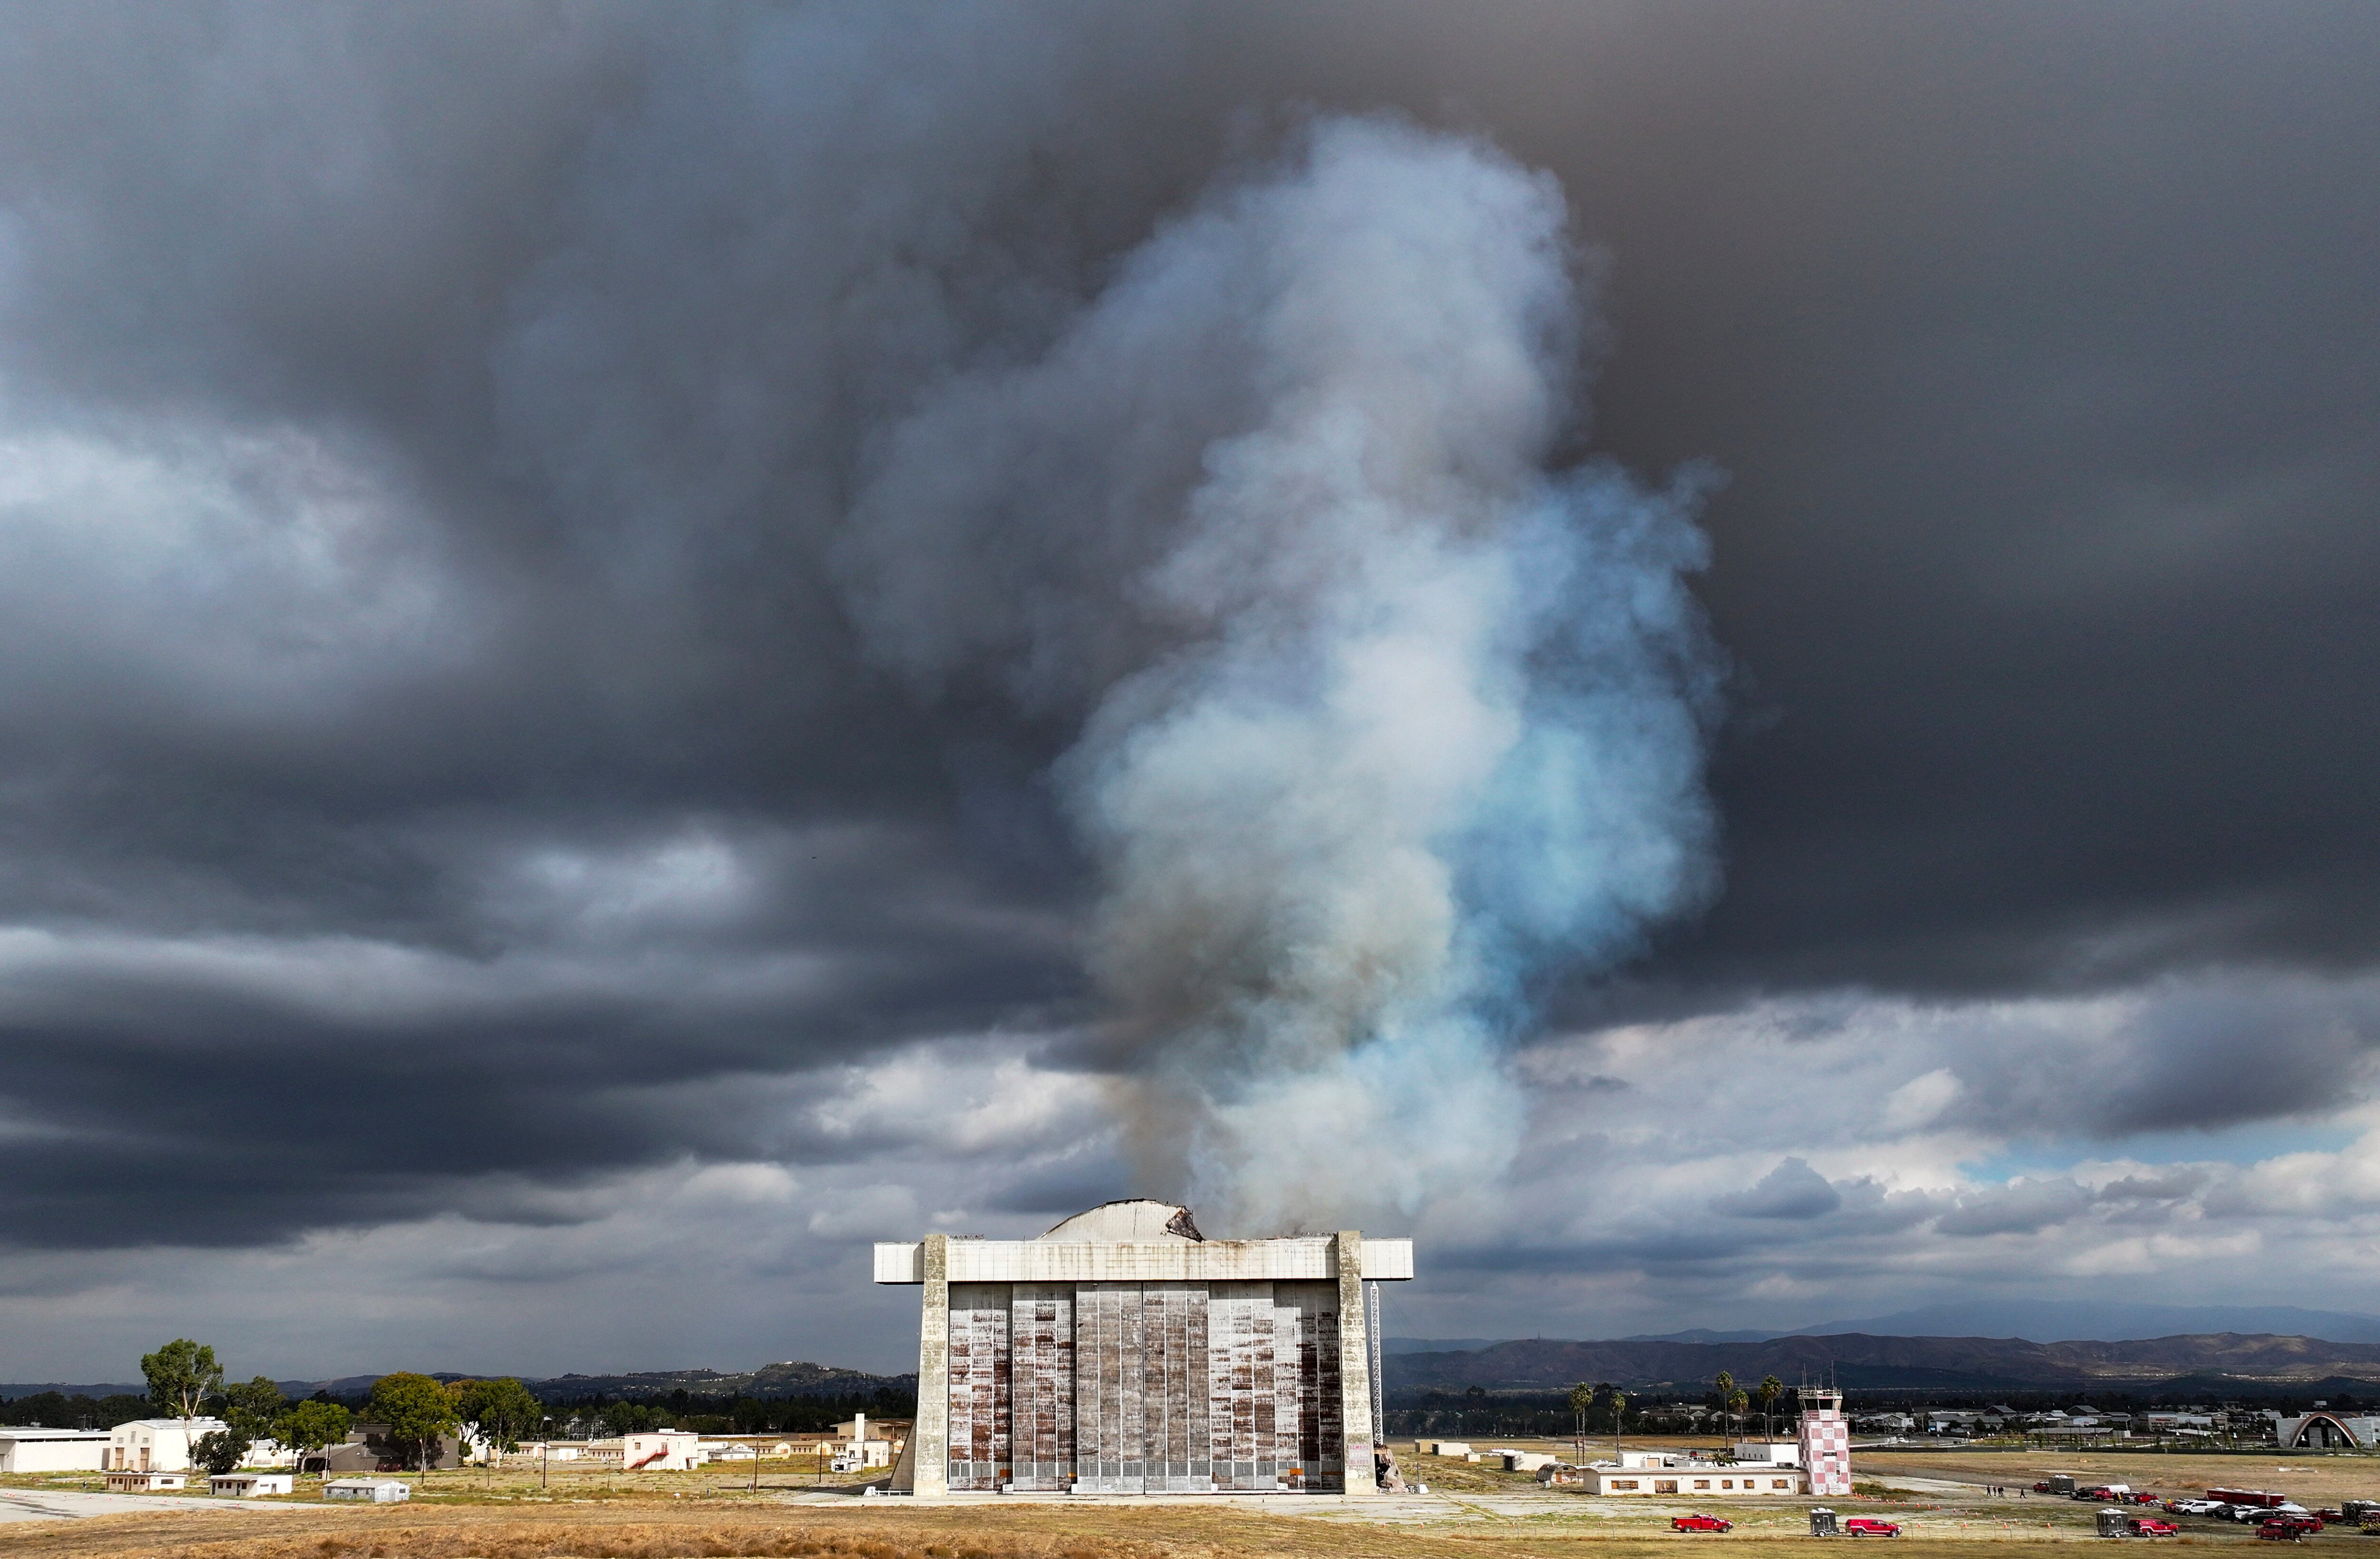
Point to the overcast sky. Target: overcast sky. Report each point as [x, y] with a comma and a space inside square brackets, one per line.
[1720, 657]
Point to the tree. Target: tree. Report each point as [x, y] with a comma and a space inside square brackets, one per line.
[1725, 1385]
[1582, 1399]
[181, 1376]
[1619, 1406]
[1771, 1389]
[248, 1408]
[504, 1411]
[1737, 1402]
[415, 1411]
[313, 1426]
[220, 1451]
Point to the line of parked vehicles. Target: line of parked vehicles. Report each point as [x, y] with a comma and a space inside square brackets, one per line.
[2273, 1516]
[2276, 1516]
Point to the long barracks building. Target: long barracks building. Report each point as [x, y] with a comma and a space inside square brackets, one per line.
[1125, 1353]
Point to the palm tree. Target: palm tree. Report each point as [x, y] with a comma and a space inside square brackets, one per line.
[1726, 1385]
[1771, 1389]
[1581, 1398]
[1619, 1406]
[1738, 1403]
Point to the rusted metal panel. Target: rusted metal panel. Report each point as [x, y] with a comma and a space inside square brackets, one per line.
[979, 1370]
[1109, 1436]
[1042, 1350]
[1311, 1309]
[1173, 1380]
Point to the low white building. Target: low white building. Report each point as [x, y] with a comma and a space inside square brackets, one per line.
[156, 1444]
[747, 1449]
[854, 1449]
[134, 1483]
[1651, 1473]
[249, 1485]
[377, 1490]
[53, 1450]
[1767, 1453]
[662, 1450]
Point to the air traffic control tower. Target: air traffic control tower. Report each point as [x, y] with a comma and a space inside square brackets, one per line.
[1126, 1353]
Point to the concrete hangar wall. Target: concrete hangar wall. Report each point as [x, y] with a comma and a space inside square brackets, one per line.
[1123, 1353]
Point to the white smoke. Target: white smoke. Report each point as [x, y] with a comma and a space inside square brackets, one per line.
[1383, 721]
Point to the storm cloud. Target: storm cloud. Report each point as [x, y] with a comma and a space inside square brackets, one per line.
[550, 577]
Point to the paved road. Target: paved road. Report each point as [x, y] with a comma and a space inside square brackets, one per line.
[67, 1504]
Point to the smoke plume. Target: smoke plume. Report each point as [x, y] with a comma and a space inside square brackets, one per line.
[1382, 721]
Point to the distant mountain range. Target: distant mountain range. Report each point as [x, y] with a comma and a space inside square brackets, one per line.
[2040, 1321]
[2205, 1364]
[792, 1378]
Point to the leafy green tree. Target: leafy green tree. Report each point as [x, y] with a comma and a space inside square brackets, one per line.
[504, 1410]
[313, 1426]
[249, 1408]
[220, 1451]
[415, 1410]
[181, 1376]
[1771, 1389]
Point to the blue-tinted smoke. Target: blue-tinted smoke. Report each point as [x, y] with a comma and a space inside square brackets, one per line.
[1385, 721]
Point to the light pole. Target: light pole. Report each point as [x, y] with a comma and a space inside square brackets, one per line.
[544, 1449]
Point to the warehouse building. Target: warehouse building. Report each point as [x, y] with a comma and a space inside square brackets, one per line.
[26, 1449]
[1126, 1353]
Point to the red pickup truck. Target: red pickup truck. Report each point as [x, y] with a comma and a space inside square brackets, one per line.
[1869, 1527]
[2149, 1527]
[1699, 1524]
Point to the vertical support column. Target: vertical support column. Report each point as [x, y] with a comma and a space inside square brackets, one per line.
[1355, 1366]
[932, 1432]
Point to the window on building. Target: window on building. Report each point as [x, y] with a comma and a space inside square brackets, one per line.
[1702, 1483]
[1665, 1485]
[1628, 1483]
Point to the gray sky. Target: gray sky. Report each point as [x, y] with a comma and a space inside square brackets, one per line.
[591, 603]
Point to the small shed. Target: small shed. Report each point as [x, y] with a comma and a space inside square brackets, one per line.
[378, 1491]
[2111, 1525]
[1821, 1522]
[249, 1485]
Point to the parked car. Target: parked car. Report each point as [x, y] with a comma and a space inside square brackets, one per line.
[2150, 1527]
[2279, 1531]
[1699, 1524]
[2303, 1521]
[2143, 1497]
[2042, 1488]
[1869, 1527]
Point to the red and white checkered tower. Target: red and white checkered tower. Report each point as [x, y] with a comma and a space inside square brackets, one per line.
[1825, 1440]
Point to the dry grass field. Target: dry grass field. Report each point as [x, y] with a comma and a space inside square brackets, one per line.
[1474, 1511]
